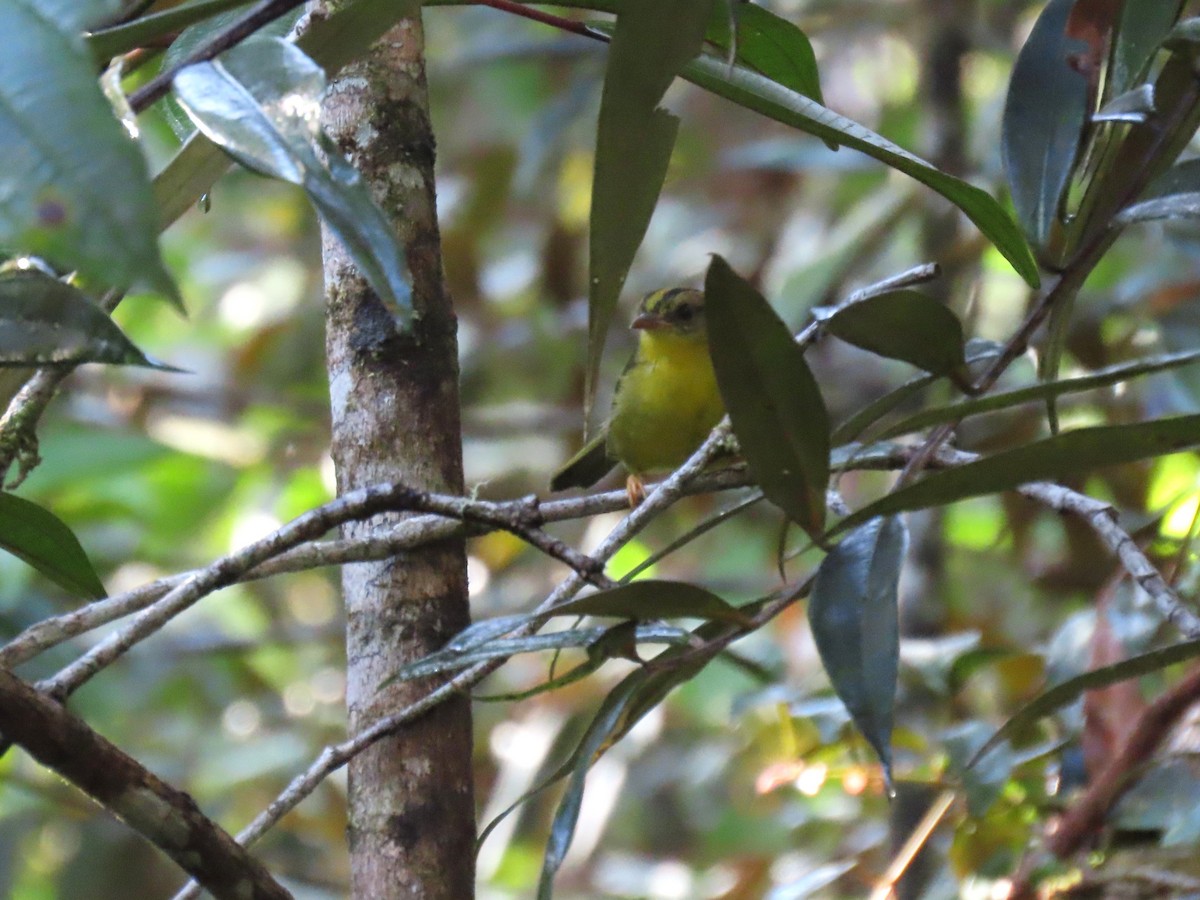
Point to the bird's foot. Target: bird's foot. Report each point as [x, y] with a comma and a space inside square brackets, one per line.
[635, 489]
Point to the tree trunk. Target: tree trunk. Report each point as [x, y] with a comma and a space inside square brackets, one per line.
[394, 399]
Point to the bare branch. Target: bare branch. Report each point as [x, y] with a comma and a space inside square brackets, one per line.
[166, 817]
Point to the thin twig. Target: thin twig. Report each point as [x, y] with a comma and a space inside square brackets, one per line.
[156, 88]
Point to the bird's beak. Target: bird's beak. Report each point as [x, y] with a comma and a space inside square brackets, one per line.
[647, 322]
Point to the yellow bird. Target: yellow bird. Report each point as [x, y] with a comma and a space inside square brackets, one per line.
[666, 401]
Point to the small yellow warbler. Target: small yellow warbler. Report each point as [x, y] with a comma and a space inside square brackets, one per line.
[666, 401]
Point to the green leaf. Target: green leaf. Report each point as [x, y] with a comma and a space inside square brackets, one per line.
[259, 102]
[904, 325]
[775, 101]
[652, 40]
[864, 418]
[772, 46]
[1140, 32]
[1044, 118]
[855, 620]
[332, 43]
[110, 42]
[773, 400]
[652, 599]
[77, 191]
[74, 15]
[1042, 391]
[1067, 692]
[1057, 457]
[499, 647]
[46, 322]
[39, 538]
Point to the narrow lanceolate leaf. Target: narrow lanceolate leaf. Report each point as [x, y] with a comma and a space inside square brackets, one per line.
[651, 599]
[45, 322]
[771, 45]
[775, 101]
[39, 538]
[904, 325]
[773, 400]
[1067, 692]
[1046, 390]
[1044, 118]
[1058, 457]
[652, 41]
[77, 191]
[259, 103]
[854, 616]
[1140, 31]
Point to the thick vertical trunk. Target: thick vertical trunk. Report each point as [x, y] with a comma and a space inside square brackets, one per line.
[394, 399]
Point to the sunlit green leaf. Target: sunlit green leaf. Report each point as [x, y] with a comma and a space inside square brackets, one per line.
[771, 45]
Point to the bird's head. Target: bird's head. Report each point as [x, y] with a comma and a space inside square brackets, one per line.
[678, 311]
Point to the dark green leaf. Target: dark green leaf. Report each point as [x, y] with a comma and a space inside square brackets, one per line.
[772, 397]
[1007, 399]
[1140, 32]
[39, 538]
[598, 735]
[651, 599]
[904, 325]
[259, 102]
[1057, 457]
[772, 46]
[1067, 692]
[855, 619]
[634, 140]
[1044, 118]
[76, 187]
[769, 98]
[46, 322]
[110, 42]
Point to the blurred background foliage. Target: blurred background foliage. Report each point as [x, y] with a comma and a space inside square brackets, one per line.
[734, 788]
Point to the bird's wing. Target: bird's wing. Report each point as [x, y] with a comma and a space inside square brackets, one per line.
[586, 467]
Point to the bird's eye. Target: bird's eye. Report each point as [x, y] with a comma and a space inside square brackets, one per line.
[684, 313]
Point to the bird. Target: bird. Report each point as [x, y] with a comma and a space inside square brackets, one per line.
[666, 401]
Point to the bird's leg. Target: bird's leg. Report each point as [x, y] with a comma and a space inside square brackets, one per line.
[635, 489]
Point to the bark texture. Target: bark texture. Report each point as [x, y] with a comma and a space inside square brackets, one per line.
[394, 399]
